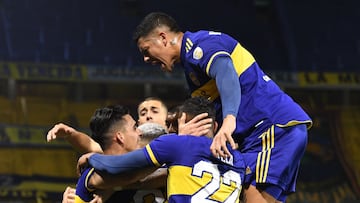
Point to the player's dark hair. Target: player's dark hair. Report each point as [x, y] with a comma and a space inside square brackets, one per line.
[154, 99]
[102, 121]
[192, 107]
[197, 105]
[152, 21]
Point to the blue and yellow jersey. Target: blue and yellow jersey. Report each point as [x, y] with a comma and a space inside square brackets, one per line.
[83, 192]
[262, 101]
[194, 175]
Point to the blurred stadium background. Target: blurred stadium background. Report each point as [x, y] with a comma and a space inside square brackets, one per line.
[59, 60]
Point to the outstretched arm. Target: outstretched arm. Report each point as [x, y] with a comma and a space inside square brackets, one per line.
[155, 180]
[116, 170]
[79, 140]
[117, 164]
[102, 180]
[227, 82]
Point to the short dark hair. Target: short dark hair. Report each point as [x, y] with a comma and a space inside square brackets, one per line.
[197, 105]
[152, 21]
[102, 120]
[192, 107]
[154, 99]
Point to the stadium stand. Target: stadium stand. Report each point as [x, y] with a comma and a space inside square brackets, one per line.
[347, 134]
[326, 34]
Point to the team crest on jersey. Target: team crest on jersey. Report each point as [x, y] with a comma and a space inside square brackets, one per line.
[198, 53]
[248, 170]
[194, 79]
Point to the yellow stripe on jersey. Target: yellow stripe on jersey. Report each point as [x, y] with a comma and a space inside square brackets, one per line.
[223, 192]
[208, 90]
[294, 122]
[181, 182]
[151, 155]
[177, 184]
[212, 58]
[188, 45]
[263, 159]
[88, 175]
[242, 59]
[79, 200]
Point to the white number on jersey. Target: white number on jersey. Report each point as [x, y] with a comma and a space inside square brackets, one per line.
[203, 195]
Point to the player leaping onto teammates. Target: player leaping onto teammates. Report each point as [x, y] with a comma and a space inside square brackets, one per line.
[251, 109]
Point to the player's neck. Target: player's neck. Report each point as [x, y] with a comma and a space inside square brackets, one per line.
[115, 149]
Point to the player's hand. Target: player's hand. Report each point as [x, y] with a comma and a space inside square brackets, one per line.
[218, 147]
[69, 195]
[60, 130]
[198, 126]
[83, 162]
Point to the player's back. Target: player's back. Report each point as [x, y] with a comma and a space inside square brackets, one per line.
[194, 174]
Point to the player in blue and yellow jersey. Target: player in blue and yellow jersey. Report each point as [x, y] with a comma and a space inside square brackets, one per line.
[251, 109]
[194, 174]
[117, 133]
[150, 110]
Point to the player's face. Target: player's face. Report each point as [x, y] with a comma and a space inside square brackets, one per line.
[131, 134]
[156, 50]
[152, 111]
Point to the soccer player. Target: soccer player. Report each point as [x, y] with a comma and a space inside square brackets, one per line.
[116, 132]
[152, 109]
[251, 108]
[194, 175]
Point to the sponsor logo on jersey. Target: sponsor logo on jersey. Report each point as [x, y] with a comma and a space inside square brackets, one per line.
[248, 170]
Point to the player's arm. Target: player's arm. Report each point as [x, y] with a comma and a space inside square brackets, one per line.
[118, 170]
[79, 140]
[156, 179]
[227, 82]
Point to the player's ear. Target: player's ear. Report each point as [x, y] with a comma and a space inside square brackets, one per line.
[120, 138]
[163, 38]
[215, 126]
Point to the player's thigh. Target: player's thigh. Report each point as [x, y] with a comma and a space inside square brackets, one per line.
[252, 195]
[278, 154]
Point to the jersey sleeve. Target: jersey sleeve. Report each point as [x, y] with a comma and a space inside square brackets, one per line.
[212, 48]
[163, 150]
[83, 191]
[115, 164]
[228, 84]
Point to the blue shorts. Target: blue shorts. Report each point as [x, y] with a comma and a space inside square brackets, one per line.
[273, 158]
